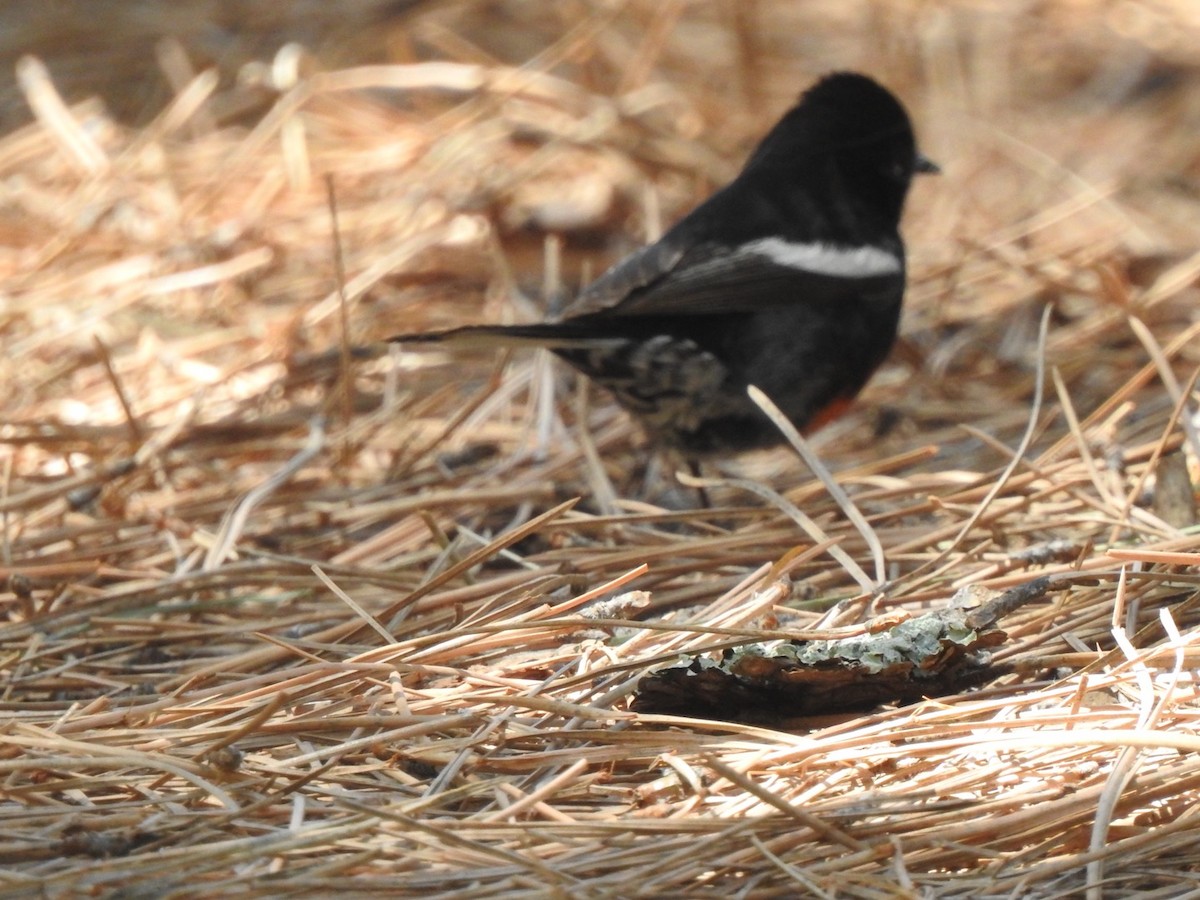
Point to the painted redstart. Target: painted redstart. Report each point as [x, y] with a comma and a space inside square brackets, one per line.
[789, 278]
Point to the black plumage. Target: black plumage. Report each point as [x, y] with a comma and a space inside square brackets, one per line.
[789, 278]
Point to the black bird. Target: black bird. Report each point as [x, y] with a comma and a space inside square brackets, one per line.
[789, 278]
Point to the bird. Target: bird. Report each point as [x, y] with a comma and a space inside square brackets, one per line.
[790, 278]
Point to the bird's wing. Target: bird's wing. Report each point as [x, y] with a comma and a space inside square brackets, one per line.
[712, 280]
[637, 273]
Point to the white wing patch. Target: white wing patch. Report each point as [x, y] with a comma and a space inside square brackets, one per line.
[828, 259]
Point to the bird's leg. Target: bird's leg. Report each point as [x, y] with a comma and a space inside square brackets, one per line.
[701, 494]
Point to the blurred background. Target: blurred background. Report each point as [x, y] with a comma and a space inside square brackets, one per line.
[1033, 98]
[1065, 129]
[754, 51]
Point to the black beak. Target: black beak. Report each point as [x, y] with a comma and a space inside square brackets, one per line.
[926, 166]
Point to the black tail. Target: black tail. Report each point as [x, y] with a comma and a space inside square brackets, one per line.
[541, 334]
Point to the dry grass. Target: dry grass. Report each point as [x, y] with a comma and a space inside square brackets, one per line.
[274, 626]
